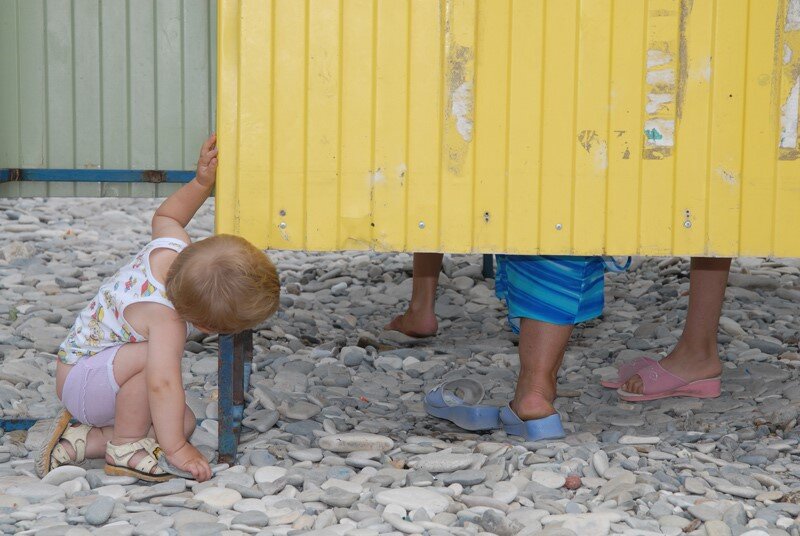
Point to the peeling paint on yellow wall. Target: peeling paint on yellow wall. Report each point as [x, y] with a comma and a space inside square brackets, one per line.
[659, 126]
[461, 108]
[789, 117]
[377, 176]
[601, 156]
[657, 102]
[459, 111]
[727, 176]
[704, 72]
[790, 84]
[793, 16]
[662, 84]
[657, 58]
[594, 145]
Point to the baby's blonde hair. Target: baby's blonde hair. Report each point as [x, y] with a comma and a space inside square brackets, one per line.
[223, 284]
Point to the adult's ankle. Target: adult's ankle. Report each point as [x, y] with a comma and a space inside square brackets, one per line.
[421, 309]
[698, 349]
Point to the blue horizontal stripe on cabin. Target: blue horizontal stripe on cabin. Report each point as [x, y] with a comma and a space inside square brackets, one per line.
[92, 175]
[9, 425]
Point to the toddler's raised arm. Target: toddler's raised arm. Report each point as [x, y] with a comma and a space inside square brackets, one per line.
[179, 208]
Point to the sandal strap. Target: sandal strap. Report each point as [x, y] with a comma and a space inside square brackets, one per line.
[147, 444]
[77, 437]
[122, 454]
[60, 457]
[147, 464]
[656, 379]
[630, 369]
[447, 393]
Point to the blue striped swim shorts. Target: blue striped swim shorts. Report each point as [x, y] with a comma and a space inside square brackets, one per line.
[554, 289]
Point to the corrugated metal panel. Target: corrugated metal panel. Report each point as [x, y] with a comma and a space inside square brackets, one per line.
[550, 126]
[106, 84]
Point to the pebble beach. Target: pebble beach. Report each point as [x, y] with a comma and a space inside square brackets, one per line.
[335, 438]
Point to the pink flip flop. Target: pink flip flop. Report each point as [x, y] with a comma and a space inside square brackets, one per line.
[628, 371]
[659, 383]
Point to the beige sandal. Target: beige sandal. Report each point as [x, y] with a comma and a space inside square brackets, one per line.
[146, 469]
[52, 454]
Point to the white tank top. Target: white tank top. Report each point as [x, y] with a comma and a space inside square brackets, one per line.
[102, 323]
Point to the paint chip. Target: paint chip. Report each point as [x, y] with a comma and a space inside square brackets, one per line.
[657, 102]
[662, 77]
[793, 16]
[462, 110]
[601, 155]
[659, 132]
[789, 118]
[705, 72]
[657, 58]
[377, 176]
[727, 176]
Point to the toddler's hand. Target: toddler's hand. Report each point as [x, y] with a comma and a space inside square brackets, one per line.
[190, 459]
[207, 165]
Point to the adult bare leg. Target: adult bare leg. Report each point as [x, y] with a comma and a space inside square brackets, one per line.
[695, 357]
[419, 320]
[541, 351]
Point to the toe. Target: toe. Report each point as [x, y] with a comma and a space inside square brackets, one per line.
[636, 385]
[633, 385]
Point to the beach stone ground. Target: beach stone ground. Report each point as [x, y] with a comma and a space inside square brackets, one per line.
[336, 440]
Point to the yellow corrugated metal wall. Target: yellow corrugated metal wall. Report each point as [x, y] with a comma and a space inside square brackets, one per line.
[655, 127]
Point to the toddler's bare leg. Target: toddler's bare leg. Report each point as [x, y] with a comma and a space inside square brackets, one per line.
[132, 417]
[541, 351]
[420, 320]
[695, 357]
[129, 357]
[132, 420]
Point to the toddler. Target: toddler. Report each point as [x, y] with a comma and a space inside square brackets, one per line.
[119, 370]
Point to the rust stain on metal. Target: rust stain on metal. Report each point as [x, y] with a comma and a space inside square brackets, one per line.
[154, 176]
[657, 153]
[683, 56]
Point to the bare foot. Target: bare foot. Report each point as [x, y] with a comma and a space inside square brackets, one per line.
[415, 324]
[688, 365]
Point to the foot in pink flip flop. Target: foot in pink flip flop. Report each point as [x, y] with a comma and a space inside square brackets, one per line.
[658, 383]
[628, 371]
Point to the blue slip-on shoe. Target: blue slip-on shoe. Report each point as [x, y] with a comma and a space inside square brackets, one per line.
[533, 430]
[458, 401]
